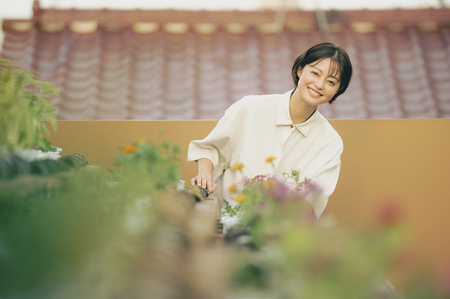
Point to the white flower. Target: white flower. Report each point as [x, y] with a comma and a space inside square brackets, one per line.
[291, 184]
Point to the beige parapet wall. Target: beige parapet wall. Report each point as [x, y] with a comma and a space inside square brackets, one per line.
[405, 160]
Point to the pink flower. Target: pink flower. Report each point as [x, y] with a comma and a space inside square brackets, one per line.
[264, 177]
[444, 280]
[390, 213]
[244, 180]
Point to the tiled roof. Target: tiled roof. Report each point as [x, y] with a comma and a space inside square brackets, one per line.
[194, 64]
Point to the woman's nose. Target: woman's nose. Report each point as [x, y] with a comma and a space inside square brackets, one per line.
[320, 83]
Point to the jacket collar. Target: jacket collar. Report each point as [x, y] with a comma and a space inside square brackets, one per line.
[284, 118]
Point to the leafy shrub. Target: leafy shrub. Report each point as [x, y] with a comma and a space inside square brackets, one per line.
[22, 111]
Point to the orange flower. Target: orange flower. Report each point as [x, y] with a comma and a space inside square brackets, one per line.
[240, 198]
[270, 159]
[130, 149]
[232, 188]
[163, 151]
[238, 166]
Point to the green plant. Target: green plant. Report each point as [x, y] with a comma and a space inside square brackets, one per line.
[24, 109]
[153, 164]
[78, 240]
[292, 255]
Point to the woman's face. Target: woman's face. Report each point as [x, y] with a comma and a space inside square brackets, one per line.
[316, 84]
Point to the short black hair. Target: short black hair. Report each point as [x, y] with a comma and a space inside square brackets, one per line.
[341, 64]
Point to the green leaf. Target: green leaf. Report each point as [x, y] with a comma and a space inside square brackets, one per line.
[21, 110]
[51, 89]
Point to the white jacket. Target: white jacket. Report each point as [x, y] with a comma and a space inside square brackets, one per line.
[257, 127]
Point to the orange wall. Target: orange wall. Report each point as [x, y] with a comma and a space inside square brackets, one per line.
[406, 160]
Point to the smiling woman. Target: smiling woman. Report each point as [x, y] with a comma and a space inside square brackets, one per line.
[288, 128]
[321, 74]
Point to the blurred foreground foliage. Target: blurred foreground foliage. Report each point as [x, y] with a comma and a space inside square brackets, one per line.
[285, 252]
[76, 236]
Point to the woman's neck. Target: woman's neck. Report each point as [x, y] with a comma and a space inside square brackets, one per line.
[299, 110]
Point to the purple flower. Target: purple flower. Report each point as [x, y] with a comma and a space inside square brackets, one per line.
[280, 191]
[308, 188]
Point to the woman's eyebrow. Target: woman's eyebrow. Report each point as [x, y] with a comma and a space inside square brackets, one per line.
[316, 68]
[332, 76]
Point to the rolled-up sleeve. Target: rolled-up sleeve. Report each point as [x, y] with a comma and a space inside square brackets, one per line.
[217, 146]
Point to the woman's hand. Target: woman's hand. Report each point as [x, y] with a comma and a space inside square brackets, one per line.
[205, 181]
[204, 177]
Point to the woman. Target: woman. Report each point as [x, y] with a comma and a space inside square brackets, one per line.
[288, 127]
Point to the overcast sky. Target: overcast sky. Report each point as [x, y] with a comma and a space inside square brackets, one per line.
[23, 8]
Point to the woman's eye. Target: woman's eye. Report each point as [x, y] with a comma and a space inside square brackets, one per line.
[315, 73]
[332, 83]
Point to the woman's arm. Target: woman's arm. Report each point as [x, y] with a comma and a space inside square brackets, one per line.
[213, 154]
[204, 176]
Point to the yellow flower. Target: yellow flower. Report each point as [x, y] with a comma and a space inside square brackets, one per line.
[240, 198]
[141, 141]
[129, 149]
[232, 188]
[238, 166]
[269, 184]
[270, 159]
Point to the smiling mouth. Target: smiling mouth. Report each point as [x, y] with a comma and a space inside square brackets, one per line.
[314, 93]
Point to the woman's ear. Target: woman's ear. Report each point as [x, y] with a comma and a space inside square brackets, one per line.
[299, 72]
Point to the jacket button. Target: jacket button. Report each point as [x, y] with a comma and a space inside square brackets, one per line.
[291, 126]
